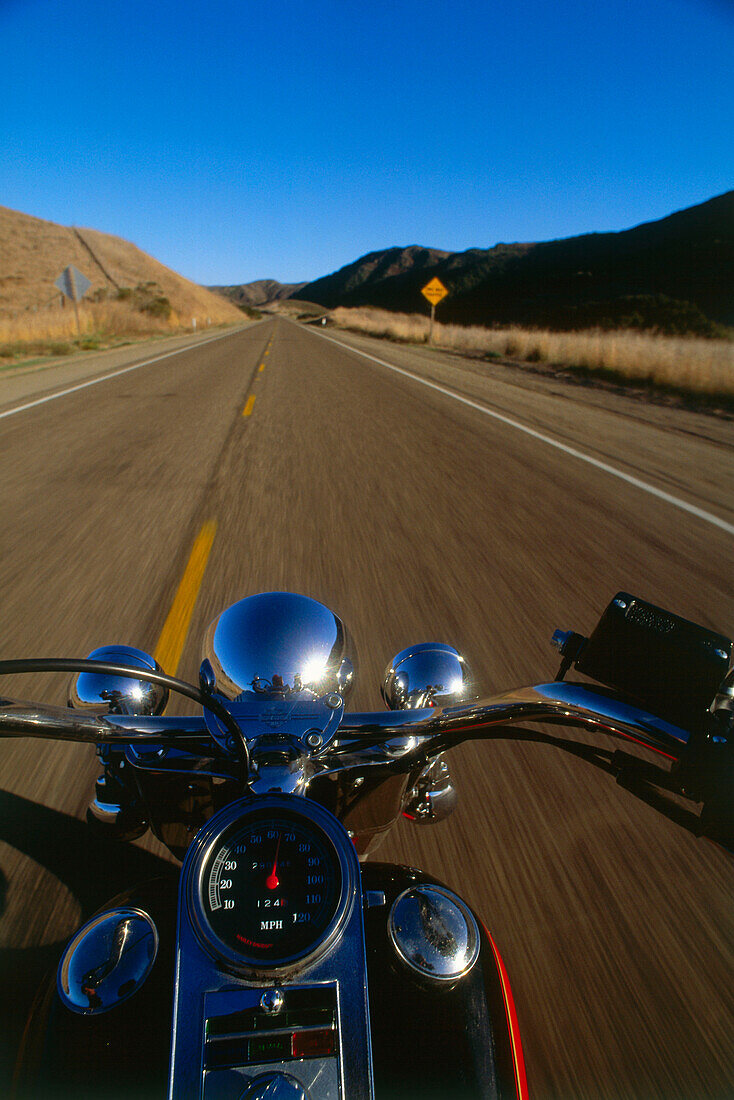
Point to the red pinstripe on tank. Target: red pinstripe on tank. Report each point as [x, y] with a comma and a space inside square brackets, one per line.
[513, 1027]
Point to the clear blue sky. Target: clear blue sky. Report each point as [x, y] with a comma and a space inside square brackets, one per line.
[236, 140]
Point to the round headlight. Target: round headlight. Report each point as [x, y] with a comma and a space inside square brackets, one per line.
[277, 644]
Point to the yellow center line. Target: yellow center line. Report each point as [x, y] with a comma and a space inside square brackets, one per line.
[261, 368]
[267, 351]
[171, 642]
[248, 407]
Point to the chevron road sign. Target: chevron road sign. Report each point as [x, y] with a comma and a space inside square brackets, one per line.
[435, 292]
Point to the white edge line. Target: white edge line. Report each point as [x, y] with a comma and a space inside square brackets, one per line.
[708, 517]
[112, 374]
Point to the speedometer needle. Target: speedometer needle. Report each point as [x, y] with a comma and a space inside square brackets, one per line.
[272, 881]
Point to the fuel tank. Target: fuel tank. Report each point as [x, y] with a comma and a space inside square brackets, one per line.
[442, 1019]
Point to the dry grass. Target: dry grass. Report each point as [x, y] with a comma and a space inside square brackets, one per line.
[96, 318]
[33, 253]
[53, 331]
[132, 295]
[690, 364]
[294, 307]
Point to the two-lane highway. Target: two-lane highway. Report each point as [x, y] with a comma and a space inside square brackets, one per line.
[136, 509]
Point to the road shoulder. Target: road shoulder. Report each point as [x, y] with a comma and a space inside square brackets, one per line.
[27, 381]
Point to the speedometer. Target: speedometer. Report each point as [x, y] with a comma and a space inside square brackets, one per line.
[269, 888]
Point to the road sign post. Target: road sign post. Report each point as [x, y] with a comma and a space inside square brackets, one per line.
[74, 285]
[435, 292]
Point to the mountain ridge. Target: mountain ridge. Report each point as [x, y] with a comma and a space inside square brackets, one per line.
[257, 293]
[677, 269]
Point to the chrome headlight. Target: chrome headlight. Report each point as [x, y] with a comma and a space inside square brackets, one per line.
[278, 644]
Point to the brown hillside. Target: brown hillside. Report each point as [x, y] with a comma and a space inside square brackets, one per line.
[258, 293]
[33, 253]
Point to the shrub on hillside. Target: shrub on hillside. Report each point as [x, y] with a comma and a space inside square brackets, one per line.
[157, 307]
[643, 313]
[147, 298]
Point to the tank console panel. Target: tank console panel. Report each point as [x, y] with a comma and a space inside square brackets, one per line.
[270, 960]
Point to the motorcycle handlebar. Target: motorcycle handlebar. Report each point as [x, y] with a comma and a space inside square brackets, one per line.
[700, 762]
[557, 701]
[29, 722]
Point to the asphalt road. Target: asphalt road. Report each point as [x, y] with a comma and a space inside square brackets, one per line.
[416, 517]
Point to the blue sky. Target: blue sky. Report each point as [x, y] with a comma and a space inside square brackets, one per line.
[235, 140]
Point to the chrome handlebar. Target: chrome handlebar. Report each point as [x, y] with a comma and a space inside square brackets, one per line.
[697, 764]
[557, 701]
[25, 719]
[429, 729]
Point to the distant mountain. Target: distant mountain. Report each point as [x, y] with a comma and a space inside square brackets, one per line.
[674, 273]
[35, 252]
[360, 280]
[258, 293]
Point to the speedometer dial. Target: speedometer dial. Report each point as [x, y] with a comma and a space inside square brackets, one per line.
[270, 887]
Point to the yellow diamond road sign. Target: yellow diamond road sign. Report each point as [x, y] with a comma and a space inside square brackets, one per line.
[434, 291]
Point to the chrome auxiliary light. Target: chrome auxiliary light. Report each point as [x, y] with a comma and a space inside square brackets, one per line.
[432, 674]
[115, 811]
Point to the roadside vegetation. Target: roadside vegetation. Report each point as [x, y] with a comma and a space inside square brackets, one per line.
[131, 297]
[105, 319]
[297, 309]
[684, 364]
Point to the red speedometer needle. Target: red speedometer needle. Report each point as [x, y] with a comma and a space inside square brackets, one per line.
[272, 881]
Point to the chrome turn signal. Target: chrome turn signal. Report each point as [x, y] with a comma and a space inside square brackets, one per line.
[432, 674]
[94, 691]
